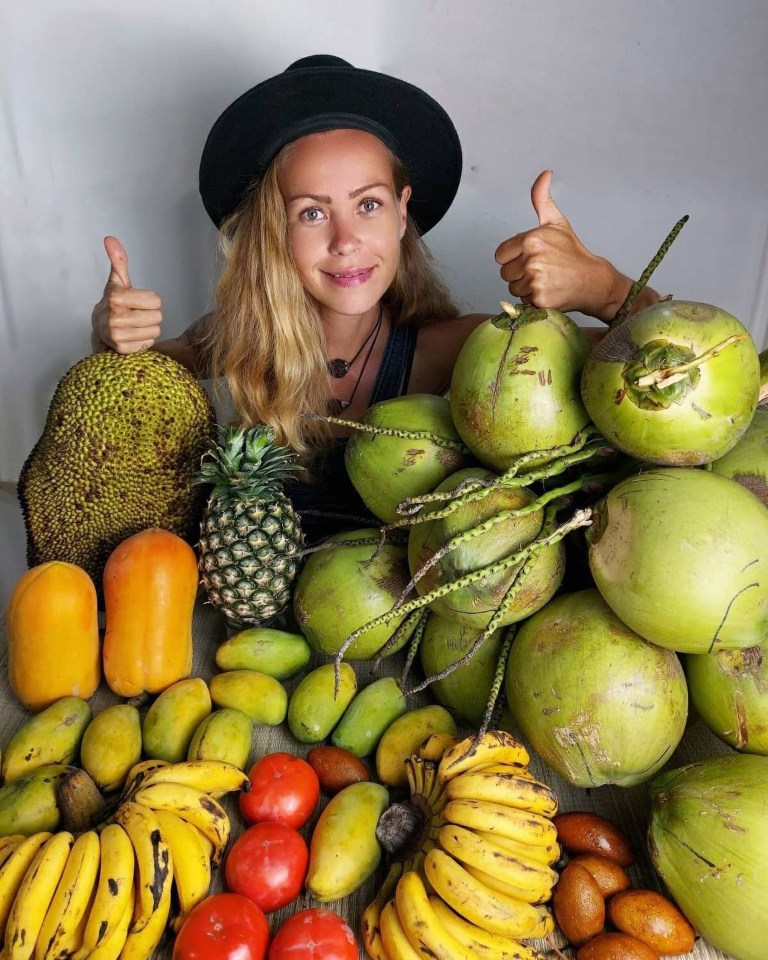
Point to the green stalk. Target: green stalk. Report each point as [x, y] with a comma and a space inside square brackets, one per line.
[415, 435]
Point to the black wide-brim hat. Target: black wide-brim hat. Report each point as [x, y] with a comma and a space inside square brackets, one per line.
[327, 93]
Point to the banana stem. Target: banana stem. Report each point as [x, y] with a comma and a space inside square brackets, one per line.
[634, 290]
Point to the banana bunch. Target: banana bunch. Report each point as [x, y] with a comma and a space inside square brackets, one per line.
[480, 872]
[108, 892]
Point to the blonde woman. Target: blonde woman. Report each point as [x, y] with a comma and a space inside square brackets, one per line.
[322, 181]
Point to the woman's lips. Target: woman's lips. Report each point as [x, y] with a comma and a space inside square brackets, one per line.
[350, 278]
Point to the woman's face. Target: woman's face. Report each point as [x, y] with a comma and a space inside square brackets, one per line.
[345, 221]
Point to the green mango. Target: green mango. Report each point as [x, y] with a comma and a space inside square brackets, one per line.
[368, 716]
[262, 698]
[28, 804]
[223, 735]
[112, 745]
[344, 850]
[52, 736]
[173, 718]
[314, 710]
[275, 652]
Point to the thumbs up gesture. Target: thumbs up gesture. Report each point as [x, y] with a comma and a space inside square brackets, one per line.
[125, 320]
[548, 266]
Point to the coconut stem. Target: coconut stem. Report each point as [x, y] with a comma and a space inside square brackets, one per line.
[413, 647]
[498, 679]
[669, 375]
[558, 461]
[414, 435]
[634, 290]
[581, 518]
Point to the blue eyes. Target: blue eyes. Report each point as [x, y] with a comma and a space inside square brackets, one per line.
[316, 215]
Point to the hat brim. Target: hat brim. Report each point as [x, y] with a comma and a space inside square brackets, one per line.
[251, 131]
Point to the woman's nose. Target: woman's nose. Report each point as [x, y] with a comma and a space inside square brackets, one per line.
[344, 239]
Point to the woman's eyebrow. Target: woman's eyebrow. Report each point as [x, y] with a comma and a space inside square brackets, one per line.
[321, 198]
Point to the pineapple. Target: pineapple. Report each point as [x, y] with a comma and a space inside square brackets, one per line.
[250, 535]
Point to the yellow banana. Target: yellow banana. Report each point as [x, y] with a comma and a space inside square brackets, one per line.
[71, 899]
[484, 945]
[191, 860]
[210, 776]
[395, 940]
[145, 932]
[494, 746]
[529, 880]
[530, 828]
[523, 793]
[476, 902]
[8, 845]
[192, 805]
[547, 853]
[435, 746]
[427, 935]
[153, 866]
[14, 870]
[370, 923]
[34, 896]
[114, 889]
[111, 946]
[137, 773]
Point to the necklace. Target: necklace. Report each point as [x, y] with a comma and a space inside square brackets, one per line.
[338, 405]
[339, 368]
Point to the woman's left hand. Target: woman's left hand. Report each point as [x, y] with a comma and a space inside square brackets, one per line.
[549, 266]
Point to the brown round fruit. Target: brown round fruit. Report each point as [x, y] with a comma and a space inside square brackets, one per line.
[610, 877]
[654, 919]
[578, 904]
[582, 832]
[336, 768]
[616, 946]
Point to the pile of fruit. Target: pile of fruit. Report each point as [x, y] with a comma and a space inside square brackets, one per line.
[570, 549]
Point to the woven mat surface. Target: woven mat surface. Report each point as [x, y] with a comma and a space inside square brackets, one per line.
[626, 807]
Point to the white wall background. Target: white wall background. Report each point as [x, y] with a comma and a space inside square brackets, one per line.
[645, 111]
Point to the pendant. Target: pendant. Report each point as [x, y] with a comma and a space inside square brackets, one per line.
[338, 368]
[337, 406]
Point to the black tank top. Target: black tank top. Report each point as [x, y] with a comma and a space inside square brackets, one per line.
[329, 503]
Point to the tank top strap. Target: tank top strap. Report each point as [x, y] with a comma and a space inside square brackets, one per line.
[395, 370]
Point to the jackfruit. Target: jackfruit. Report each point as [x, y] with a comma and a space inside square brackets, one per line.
[121, 444]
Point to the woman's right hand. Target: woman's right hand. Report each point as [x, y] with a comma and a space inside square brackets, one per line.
[125, 320]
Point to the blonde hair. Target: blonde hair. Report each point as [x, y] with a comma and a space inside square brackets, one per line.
[266, 339]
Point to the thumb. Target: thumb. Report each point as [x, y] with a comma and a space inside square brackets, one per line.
[118, 259]
[546, 209]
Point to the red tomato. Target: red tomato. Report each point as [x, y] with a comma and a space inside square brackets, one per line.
[225, 926]
[268, 864]
[284, 789]
[314, 935]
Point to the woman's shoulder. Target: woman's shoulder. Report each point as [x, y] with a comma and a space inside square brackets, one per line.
[437, 347]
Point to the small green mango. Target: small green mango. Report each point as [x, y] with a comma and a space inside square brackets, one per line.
[274, 652]
[369, 714]
[52, 736]
[224, 735]
[173, 718]
[344, 850]
[314, 710]
[112, 745]
[260, 697]
[28, 803]
[403, 738]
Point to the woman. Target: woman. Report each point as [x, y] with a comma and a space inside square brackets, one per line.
[322, 181]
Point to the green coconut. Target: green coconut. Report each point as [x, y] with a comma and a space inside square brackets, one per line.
[386, 469]
[708, 840]
[681, 556]
[465, 691]
[515, 385]
[342, 587]
[598, 703]
[675, 384]
[747, 462]
[474, 605]
[729, 691]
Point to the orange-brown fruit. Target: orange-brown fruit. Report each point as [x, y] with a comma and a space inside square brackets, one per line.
[579, 906]
[336, 768]
[616, 946]
[582, 832]
[610, 876]
[654, 919]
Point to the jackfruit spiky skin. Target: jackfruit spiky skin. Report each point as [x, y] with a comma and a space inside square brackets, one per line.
[121, 445]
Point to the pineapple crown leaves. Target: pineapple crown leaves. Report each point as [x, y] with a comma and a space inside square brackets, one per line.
[246, 463]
